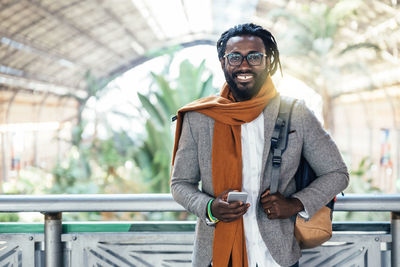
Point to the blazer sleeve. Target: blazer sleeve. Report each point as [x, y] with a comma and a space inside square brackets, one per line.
[324, 157]
[185, 177]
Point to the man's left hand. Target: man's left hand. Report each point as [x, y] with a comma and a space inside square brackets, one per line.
[276, 206]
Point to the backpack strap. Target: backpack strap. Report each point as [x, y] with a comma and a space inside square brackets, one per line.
[279, 139]
[304, 174]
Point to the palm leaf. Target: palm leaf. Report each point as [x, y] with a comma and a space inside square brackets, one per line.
[154, 156]
[166, 91]
[207, 87]
[151, 109]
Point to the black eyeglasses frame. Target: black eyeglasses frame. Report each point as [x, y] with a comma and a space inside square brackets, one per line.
[242, 58]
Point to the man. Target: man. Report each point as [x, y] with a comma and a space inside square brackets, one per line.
[223, 143]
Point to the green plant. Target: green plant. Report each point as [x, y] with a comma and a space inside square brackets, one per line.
[360, 180]
[73, 175]
[362, 183]
[9, 217]
[95, 87]
[154, 156]
[94, 164]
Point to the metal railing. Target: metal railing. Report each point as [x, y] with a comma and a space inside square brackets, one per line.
[52, 207]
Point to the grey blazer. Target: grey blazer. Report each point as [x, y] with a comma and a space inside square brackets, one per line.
[191, 183]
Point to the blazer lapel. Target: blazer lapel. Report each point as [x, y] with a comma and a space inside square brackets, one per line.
[270, 115]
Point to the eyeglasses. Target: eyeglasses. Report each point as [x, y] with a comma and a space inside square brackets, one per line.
[253, 58]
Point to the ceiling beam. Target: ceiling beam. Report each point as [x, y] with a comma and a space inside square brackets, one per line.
[40, 86]
[185, 12]
[141, 59]
[136, 46]
[20, 43]
[11, 89]
[148, 16]
[8, 5]
[41, 9]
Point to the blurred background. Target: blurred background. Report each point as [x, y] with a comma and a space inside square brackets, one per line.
[88, 88]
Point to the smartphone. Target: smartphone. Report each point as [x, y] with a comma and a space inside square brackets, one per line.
[237, 196]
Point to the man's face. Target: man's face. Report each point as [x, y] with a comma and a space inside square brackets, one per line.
[245, 80]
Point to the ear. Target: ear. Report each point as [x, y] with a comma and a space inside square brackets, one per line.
[222, 61]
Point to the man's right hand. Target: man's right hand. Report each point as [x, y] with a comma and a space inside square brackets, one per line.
[228, 212]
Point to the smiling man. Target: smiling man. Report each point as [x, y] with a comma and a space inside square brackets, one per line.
[223, 143]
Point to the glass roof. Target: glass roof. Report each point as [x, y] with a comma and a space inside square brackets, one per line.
[52, 44]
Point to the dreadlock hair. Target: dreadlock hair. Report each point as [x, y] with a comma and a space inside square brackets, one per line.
[271, 47]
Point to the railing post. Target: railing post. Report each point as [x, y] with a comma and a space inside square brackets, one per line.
[395, 239]
[52, 239]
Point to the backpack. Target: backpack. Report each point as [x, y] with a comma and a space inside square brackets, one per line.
[318, 229]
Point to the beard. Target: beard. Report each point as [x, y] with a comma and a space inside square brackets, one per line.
[248, 92]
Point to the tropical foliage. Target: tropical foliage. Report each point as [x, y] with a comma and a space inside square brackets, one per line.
[311, 40]
[361, 182]
[95, 164]
[117, 161]
[153, 157]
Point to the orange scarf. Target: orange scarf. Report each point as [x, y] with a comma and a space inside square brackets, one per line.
[227, 159]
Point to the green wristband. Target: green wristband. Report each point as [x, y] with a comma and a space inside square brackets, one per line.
[210, 216]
